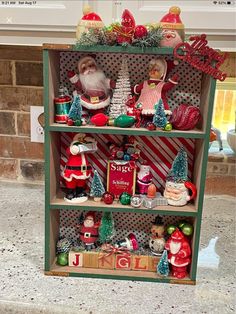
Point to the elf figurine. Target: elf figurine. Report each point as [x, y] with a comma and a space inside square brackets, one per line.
[179, 255]
[144, 178]
[89, 231]
[92, 85]
[155, 88]
[77, 169]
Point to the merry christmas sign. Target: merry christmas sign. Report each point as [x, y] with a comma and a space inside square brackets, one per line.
[121, 177]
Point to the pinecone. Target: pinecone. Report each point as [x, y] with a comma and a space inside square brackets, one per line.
[110, 38]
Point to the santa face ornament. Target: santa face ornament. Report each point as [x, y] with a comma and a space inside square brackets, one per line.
[177, 194]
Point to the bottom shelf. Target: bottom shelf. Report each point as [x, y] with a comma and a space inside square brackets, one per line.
[67, 271]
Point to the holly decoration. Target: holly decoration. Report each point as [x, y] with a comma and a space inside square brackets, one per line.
[62, 259]
[163, 265]
[97, 188]
[125, 198]
[159, 118]
[107, 228]
[179, 169]
[75, 112]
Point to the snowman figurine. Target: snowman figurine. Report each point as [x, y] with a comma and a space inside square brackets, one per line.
[157, 240]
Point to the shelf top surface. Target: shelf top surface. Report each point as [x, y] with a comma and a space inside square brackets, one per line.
[126, 131]
[110, 49]
[187, 210]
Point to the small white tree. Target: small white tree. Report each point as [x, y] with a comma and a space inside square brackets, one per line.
[121, 92]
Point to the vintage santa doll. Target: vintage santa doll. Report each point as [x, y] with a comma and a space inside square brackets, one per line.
[155, 88]
[92, 85]
[89, 231]
[144, 178]
[77, 169]
[179, 253]
[172, 28]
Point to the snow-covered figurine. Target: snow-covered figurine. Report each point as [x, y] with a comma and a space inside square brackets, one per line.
[144, 178]
[92, 84]
[155, 87]
[88, 232]
[157, 240]
[77, 169]
[179, 253]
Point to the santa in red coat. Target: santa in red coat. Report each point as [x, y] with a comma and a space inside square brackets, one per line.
[77, 169]
[92, 84]
[179, 253]
[89, 231]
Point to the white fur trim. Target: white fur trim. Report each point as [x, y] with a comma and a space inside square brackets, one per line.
[95, 106]
[135, 90]
[82, 177]
[173, 82]
[77, 200]
[74, 79]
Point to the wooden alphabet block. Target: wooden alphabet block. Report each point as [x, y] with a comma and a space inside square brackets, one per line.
[139, 262]
[152, 263]
[123, 262]
[75, 259]
[90, 259]
[105, 261]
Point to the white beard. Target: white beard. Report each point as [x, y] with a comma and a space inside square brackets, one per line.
[175, 247]
[94, 81]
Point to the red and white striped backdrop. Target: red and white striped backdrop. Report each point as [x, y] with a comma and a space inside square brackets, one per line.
[158, 151]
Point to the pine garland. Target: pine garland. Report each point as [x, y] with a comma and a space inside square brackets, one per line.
[152, 39]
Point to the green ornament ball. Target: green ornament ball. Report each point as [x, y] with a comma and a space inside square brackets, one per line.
[124, 121]
[187, 229]
[62, 259]
[181, 223]
[170, 229]
[168, 127]
[125, 198]
[78, 122]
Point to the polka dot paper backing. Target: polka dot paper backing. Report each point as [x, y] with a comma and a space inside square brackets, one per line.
[125, 223]
[187, 91]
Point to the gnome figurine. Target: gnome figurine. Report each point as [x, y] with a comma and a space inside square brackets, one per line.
[172, 28]
[157, 240]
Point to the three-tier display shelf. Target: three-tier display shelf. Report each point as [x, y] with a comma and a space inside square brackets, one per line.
[159, 147]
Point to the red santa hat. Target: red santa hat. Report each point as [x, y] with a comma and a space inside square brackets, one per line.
[91, 19]
[177, 235]
[172, 19]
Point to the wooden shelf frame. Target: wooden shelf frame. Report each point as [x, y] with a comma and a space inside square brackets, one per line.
[54, 202]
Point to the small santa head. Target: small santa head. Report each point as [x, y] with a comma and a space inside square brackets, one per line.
[89, 219]
[173, 28]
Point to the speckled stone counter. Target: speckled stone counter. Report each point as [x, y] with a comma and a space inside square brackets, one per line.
[24, 288]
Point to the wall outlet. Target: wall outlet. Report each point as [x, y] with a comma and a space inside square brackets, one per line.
[36, 129]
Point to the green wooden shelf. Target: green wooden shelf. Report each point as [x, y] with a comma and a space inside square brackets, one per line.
[187, 210]
[126, 131]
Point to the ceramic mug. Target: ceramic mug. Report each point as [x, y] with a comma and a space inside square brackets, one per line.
[177, 194]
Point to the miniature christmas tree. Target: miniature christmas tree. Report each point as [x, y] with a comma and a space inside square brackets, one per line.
[179, 169]
[75, 113]
[159, 118]
[107, 228]
[97, 188]
[121, 92]
[163, 265]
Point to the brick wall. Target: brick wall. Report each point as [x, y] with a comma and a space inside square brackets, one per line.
[21, 86]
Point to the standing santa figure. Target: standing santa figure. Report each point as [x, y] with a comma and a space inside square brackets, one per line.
[92, 85]
[155, 88]
[144, 178]
[179, 255]
[88, 232]
[78, 170]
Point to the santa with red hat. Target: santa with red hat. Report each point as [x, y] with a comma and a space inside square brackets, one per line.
[172, 28]
[89, 231]
[77, 169]
[92, 84]
[179, 255]
[155, 88]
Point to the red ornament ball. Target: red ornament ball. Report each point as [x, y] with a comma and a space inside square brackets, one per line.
[151, 126]
[140, 31]
[99, 119]
[70, 122]
[108, 198]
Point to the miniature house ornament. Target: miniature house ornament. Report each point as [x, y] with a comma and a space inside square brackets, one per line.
[77, 169]
[177, 184]
[172, 28]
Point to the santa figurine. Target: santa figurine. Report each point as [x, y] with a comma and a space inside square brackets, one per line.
[92, 85]
[77, 169]
[179, 255]
[88, 232]
[155, 88]
[144, 178]
[172, 28]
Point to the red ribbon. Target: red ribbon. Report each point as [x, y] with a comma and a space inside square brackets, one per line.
[114, 250]
[120, 30]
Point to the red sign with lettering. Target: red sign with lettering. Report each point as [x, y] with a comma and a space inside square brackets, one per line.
[201, 56]
[121, 177]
